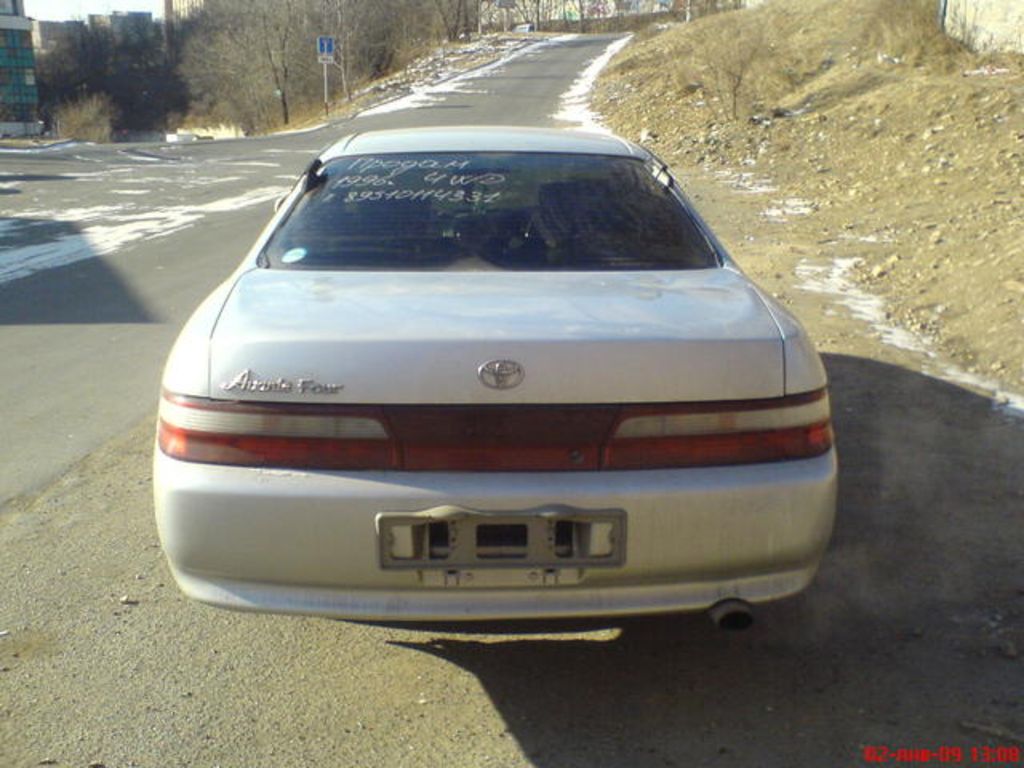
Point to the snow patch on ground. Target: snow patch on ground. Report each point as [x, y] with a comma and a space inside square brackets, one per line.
[142, 157]
[420, 97]
[869, 239]
[1010, 403]
[299, 131]
[833, 280]
[57, 145]
[104, 229]
[746, 181]
[783, 210]
[574, 106]
[251, 164]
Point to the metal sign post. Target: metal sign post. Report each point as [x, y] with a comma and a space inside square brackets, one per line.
[325, 55]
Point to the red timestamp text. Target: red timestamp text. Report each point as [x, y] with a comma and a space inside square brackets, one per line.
[948, 755]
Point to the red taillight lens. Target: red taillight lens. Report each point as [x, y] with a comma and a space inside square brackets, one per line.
[495, 438]
[720, 434]
[718, 450]
[257, 435]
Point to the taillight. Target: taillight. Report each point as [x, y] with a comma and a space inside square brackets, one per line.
[495, 438]
[721, 433]
[263, 435]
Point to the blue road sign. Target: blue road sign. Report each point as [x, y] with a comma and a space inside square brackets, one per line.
[325, 46]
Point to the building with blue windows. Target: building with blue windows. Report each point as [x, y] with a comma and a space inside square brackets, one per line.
[19, 97]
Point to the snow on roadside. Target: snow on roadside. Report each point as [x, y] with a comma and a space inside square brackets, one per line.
[300, 131]
[104, 229]
[574, 106]
[783, 210]
[55, 146]
[746, 181]
[833, 280]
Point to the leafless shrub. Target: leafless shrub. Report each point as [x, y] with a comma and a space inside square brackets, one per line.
[729, 66]
[88, 119]
[455, 17]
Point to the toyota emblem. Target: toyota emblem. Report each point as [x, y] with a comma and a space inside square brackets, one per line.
[501, 374]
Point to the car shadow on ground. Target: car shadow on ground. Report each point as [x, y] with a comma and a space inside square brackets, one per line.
[907, 639]
[86, 290]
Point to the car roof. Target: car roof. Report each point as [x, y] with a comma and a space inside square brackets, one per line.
[481, 139]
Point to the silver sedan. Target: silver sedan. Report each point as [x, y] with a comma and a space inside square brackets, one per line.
[472, 373]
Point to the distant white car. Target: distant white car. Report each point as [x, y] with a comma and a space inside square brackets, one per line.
[471, 373]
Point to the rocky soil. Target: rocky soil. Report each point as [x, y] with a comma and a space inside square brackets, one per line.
[888, 159]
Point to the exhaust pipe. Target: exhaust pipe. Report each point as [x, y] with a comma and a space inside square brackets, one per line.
[732, 614]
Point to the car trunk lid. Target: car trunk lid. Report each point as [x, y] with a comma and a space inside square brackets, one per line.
[422, 338]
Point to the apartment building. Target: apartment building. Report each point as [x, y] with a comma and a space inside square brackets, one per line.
[49, 35]
[19, 97]
[176, 10]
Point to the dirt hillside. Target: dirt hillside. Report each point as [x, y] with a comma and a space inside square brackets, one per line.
[889, 157]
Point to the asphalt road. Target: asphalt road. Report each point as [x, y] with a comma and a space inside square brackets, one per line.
[106, 250]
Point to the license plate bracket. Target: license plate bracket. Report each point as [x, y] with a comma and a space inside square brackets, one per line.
[454, 537]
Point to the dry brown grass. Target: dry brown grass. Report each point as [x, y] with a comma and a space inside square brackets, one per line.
[907, 146]
[88, 119]
[752, 61]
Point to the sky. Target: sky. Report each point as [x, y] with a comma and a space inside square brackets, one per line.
[61, 10]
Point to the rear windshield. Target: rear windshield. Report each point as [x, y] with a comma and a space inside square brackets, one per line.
[469, 211]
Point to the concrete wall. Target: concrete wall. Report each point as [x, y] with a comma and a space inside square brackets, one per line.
[985, 24]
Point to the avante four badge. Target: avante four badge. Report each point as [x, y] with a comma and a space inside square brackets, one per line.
[501, 374]
[247, 381]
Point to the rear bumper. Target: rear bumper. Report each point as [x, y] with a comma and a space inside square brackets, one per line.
[306, 542]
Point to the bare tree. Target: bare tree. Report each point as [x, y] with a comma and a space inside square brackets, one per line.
[528, 11]
[247, 59]
[253, 62]
[277, 23]
[340, 17]
[581, 10]
[454, 16]
[732, 68]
